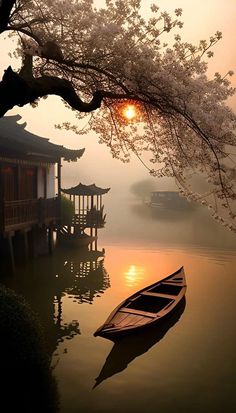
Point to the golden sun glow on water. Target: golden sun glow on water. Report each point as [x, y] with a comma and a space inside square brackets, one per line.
[129, 112]
[134, 275]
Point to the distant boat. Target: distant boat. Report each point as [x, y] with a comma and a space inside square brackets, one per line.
[170, 200]
[145, 308]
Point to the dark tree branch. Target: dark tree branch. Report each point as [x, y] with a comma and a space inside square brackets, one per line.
[20, 89]
[5, 12]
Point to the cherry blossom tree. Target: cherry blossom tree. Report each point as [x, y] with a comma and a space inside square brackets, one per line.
[103, 62]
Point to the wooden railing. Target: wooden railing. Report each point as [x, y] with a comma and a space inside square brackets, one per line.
[95, 219]
[89, 219]
[18, 214]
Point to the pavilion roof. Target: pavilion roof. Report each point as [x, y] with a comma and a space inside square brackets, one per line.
[86, 190]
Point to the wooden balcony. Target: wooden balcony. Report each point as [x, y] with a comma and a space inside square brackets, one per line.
[88, 219]
[95, 219]
[15, 215]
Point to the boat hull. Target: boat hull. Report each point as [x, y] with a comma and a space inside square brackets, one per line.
[158, 323]
[148, 307]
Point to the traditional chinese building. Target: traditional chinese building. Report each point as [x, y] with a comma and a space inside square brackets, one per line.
[29, 190]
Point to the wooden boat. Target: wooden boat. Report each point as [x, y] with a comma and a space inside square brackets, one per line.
[76, 240]
[130, 346]
[145, 308]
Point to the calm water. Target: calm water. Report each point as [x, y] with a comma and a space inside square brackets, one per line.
[187, 367]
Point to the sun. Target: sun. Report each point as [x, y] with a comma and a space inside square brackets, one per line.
[130, 112]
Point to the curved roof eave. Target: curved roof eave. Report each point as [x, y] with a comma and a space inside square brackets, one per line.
[85, 190]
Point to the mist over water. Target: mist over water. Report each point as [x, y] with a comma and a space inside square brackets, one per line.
[131, 220]
[185, 367]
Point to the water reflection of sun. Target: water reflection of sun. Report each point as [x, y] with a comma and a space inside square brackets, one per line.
[134, 275]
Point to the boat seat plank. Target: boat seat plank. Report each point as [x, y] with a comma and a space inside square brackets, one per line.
[174, 284]
[119, 318]
[138, 312]
[141, 321]
[172, 297]
[131, 320]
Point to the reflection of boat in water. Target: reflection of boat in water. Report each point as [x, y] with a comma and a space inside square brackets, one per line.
[76, 239]
[127, 348]
[146, 307]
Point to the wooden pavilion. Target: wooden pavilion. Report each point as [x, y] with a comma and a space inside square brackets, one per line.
[88, 208]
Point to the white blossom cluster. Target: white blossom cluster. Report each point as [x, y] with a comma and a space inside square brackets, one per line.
[183, 124]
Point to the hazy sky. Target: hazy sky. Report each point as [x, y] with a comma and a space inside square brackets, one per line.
[202, 19]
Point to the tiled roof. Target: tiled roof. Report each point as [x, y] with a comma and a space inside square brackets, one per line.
[14, 137]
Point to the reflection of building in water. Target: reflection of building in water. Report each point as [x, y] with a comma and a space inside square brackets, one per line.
[45, 282]
[62, 331]
[170, 199]
[85, 276]
[88, 214]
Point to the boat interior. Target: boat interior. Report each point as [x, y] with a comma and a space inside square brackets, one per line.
[150, 304]
[166, 289]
